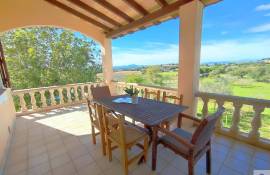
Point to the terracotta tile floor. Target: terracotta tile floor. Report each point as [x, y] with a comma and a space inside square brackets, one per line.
[59, 143]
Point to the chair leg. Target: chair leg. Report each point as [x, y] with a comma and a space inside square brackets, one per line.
[190, 166]
[145, 147]
[93, 134]
[109, 146]
[103, 142]
[124, 160]
[208, 161]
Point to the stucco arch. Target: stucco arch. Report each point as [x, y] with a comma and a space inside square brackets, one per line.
[27, 13]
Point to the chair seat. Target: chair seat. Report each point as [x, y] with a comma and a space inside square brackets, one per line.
[112, 121]
[170, 141]
[132, 134]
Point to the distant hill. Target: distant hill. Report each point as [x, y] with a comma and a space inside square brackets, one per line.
[135, 67]
[128, 67]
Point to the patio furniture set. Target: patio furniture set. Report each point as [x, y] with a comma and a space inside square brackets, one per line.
[155, 118]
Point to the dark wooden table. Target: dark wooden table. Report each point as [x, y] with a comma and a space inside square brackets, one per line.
[149, 112]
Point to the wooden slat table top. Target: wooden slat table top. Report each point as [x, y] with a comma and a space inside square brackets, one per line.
[149, 112]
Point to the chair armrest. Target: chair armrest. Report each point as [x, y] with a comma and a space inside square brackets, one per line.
[191, 118]
[176, 137]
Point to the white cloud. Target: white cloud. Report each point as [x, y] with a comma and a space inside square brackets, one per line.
[260, 28]
[214, 51]
[151, 53]
[235, 50]
[268, 14]
[263, 7]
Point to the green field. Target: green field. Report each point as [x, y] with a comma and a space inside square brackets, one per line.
[243, 88]
[256, 90]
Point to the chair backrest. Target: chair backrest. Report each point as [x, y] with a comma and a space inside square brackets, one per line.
[206, 128]
[100, 92]
[92, 110]
[155, 95]
[114, 125]
[172, 98]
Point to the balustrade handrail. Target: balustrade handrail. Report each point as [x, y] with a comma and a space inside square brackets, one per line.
[50, 87]
[231, 98]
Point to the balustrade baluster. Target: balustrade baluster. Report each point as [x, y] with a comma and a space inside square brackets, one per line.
[22, 103]
[61, 100]
[43, 99]
[205, 107]
[256, 123]
[53, 102]
[80, 87]
[76, 93]
[33, 100]
[220, 123]
[236, 117]
[69, 100]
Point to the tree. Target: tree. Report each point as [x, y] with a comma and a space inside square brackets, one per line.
[153, 75]
[216, 85]
[44, 56]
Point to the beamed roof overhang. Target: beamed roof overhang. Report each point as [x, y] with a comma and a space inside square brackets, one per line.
[117, 18]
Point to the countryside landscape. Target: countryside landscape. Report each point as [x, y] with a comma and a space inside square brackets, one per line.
[248, 79]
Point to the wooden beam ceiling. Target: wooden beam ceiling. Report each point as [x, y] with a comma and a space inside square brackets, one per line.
[162, 3]
[137, 7]
[78, 14]
[148, 18]
[95, 12]
[165, 12]
[115, 10]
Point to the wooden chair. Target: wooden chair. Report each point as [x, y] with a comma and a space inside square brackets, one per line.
[155, 94]
[94, 120]
[96, 114]
[125, 136]
[190, 146]
[171, 99]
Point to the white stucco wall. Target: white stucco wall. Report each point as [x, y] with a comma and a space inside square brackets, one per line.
[7, 118]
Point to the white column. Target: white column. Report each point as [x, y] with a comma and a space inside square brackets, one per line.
[107, 65]
[189, 52]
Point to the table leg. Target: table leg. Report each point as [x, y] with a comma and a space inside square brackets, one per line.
[154, 148]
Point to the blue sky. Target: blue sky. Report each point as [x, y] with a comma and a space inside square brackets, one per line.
[233, 30]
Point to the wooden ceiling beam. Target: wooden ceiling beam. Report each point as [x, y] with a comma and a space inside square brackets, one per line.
[162, 3]
[148, 18]
[78, 14]
[95, 12]
[115, 10]
[137, 7]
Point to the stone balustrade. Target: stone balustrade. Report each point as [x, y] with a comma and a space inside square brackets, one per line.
[253, 136]
[257, 106]
[46, 98]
